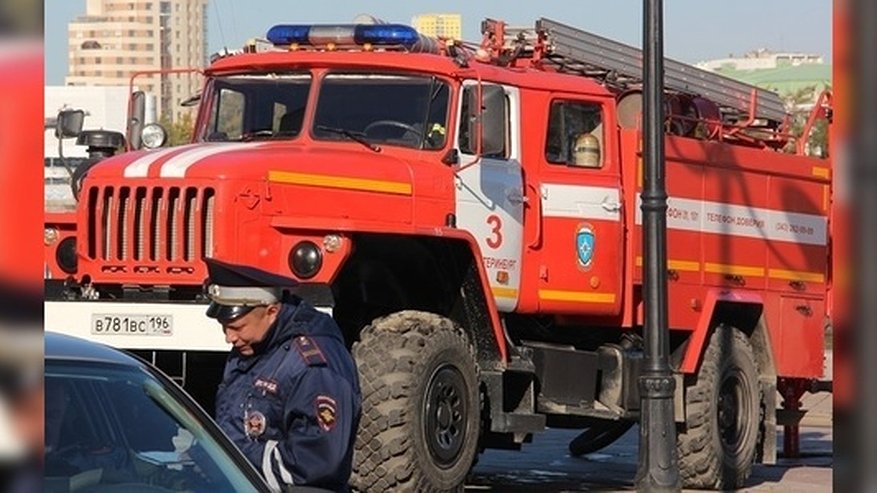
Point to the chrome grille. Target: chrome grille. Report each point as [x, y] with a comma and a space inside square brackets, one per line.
[150, 223]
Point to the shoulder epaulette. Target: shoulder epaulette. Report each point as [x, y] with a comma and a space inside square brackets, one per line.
[309, 351]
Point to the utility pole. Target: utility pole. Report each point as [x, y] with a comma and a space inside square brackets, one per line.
[863, 173]
[658, 462]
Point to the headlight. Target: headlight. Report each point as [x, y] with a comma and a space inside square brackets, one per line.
[305, 259]
[50, 235]
[65, 255]
[153, 136]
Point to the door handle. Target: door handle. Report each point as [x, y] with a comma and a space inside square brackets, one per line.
[537, 216]
[804, 310]
[610, 206]
[516, 197]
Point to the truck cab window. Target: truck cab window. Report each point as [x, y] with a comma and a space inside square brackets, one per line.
[575, 134]
[229, 121]
[389, 109]
[251, 107]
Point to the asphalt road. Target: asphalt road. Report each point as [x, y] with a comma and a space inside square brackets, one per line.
[546, 466]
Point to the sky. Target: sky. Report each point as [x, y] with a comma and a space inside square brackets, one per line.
[694, 30]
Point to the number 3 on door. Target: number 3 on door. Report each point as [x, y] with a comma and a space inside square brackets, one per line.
[495, 223]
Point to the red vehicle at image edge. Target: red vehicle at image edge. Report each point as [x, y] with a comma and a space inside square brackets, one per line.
[469, 215]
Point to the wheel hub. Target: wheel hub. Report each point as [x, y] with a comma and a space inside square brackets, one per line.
[446, 410]
[732, 408]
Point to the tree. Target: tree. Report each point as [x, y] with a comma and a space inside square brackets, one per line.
[180, 131]
[799, 104]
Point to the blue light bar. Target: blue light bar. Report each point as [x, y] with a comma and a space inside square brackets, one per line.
[287, 35]
[386, 34]
[347, 34]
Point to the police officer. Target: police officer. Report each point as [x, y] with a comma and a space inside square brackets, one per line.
[290, 397]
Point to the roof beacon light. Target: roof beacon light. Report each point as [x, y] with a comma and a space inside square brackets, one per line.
[386, 35]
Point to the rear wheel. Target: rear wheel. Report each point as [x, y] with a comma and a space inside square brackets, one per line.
[717, 443]
[420, 422]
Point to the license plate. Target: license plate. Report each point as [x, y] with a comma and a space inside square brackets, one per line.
[124, 324]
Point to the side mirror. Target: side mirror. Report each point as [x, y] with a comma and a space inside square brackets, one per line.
[136, 119]
[69, 124]
[472, 107]
[493, 120]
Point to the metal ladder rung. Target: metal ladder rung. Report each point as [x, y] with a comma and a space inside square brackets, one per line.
[590, 51]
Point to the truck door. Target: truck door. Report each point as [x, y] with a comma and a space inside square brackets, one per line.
[489, 194]
[581, 245]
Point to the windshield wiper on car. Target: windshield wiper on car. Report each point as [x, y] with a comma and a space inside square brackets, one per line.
[355, 136]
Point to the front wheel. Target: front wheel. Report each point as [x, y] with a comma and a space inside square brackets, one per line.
[420, 421]
[717, 443]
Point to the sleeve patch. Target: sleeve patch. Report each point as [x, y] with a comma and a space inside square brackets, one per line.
[310, 352]
[327, 412]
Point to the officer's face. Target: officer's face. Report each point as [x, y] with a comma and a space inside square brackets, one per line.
[250, 329]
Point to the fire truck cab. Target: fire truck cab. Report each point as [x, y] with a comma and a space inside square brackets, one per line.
[469, 215]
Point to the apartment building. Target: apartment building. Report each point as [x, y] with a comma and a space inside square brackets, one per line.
[116, 38]
[439, 25]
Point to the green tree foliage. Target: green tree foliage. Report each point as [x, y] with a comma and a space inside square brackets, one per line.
[799, 104]
[179, 132]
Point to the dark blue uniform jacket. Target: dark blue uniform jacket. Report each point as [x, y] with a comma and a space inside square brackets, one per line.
[293, 407]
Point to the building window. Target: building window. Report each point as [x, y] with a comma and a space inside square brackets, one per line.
[120, 60]
[97, 60]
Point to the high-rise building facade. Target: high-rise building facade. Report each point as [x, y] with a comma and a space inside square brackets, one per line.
[116, 38]
[443, 25]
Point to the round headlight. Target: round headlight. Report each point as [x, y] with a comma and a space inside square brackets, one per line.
[305, 259]
[50, 235]
[153, 136]
[65, 255]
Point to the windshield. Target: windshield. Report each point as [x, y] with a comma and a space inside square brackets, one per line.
[249, 107]
[114, 428]
[402, 110]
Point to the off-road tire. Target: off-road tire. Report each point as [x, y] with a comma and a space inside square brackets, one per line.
[406, 360]
[727, 382]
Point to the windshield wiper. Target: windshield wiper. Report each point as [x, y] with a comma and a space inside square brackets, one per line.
[350, 135]
[258, 134]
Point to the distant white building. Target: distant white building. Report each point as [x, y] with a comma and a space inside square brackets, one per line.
[760, 59]
[106, 108]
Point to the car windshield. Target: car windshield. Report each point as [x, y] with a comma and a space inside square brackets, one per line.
[401, 110]
[112, 428]
[256, 107]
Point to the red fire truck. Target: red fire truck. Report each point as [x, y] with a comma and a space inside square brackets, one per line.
[469, 214]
